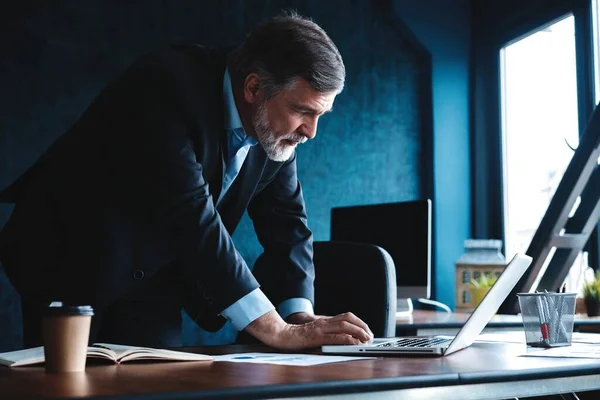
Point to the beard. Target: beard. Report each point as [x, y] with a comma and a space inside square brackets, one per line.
[277, 147]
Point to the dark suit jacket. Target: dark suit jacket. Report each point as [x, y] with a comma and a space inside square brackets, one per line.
[131, 188]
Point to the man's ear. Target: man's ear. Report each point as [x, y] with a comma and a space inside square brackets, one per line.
[252, 88]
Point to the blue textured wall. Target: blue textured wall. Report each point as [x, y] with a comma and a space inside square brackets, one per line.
[444, 29]
[59, 54]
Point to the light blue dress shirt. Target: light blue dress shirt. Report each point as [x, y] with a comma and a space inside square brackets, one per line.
[255, 303]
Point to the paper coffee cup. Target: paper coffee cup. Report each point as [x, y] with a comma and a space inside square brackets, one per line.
[66, 332]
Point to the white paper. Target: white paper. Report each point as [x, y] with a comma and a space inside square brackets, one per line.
[576, 350]
[286, 359]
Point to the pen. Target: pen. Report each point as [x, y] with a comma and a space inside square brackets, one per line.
[561, 333]
[542, 318]
[550, 323]
[556, 312]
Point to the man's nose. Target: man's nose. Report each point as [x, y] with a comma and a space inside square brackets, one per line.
[309, 128]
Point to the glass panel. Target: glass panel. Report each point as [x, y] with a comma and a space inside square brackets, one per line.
[596, 45]
[466, 277]
[466, 297]
[539, 123]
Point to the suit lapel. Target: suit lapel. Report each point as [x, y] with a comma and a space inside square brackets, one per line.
[211, 144]
[237, 198]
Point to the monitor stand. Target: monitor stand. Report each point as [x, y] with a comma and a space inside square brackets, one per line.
[404, 307]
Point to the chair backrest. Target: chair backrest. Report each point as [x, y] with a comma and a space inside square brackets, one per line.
[356, 277]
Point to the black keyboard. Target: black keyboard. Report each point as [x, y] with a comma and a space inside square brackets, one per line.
[417, 342]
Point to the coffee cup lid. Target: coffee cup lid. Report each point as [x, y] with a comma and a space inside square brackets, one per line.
[60, 308]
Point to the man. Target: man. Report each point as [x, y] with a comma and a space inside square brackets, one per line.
[132, 209]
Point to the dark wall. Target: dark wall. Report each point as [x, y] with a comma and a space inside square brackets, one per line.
[58, 55]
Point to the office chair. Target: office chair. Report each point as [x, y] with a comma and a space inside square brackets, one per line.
[356, 277]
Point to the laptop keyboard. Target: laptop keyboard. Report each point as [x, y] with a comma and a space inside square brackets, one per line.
[417, 342]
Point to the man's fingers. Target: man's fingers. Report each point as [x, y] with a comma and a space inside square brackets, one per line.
[341, 329]
[348, 316]
[354, 320]
[341, 326]
[341, 338]
[354, 330]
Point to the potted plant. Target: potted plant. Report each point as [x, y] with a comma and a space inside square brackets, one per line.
[480, 287]
[591, 295]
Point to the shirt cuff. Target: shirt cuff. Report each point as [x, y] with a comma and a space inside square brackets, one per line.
[253, 305]
[291, 306]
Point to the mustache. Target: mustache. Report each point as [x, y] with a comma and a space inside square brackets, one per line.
[296, 137]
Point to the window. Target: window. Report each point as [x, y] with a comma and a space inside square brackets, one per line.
[466, 277]
[466, 297]
[596, 44]
[539, 126]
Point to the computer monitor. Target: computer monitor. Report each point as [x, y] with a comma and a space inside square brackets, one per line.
[403, 229]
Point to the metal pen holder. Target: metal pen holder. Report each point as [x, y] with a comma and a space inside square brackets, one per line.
[547, 318]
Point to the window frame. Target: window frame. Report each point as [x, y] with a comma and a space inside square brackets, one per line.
[493, 30]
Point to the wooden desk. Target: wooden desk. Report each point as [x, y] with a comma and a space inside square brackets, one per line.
[492, 370]
[425, 322]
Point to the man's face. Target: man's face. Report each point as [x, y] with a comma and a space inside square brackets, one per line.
[288, 118]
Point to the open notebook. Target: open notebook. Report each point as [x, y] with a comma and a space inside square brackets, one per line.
[112, 352]
[444, 345]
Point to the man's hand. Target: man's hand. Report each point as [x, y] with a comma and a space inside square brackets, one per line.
[341, 329]
[302, 318]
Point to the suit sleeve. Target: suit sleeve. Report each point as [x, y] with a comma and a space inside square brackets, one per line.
[163, 185]
[285, 270]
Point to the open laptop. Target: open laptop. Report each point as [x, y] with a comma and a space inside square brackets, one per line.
[444, 345]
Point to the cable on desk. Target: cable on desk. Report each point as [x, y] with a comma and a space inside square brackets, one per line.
[436, 303]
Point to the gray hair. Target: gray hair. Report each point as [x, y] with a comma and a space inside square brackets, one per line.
[284, 49]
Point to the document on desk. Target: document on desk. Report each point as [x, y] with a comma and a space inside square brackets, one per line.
[575, 350]
[286, 359]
